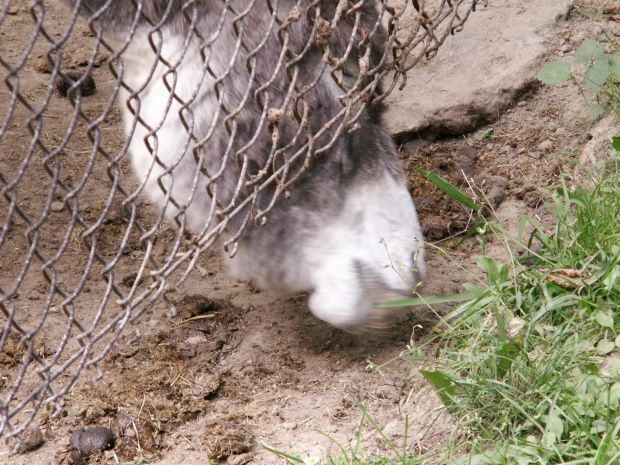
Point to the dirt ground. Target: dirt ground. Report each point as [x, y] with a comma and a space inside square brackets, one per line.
[237, 367]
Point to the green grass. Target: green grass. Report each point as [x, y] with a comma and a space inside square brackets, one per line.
[527, 366]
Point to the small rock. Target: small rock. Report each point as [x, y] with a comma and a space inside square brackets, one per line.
[496, 196]
[89, 441]
[394, 430]
[611, 8]
[566, 48]
[521, 104]
[469, 152]
[64, 83]
[31, 438]
[42, 65]
[561, 131]
[434, 228]
[57, 206]
[388, 392]
[195, 340]
[545, 146]
[576, 39]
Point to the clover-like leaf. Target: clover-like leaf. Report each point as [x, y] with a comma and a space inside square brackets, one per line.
[597, 74]
[556, 72]
[589, 50]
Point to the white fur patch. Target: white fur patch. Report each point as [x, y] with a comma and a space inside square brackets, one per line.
[170, 160]
[371, 252]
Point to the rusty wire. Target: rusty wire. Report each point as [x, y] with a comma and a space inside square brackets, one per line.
[69, 203]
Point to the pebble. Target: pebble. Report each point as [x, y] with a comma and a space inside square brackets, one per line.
[63, 84]
[394, 430]
[57, 206]
[31, 438]
[545, 146]
[195, 340]
[388, 392]
[89, 441]
[561, 131]
[496, 196]
[521, 104]
[434, 228]
[575, 39]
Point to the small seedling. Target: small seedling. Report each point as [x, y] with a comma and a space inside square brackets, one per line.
[602, 75]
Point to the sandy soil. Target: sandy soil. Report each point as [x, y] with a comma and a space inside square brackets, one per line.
[236, 366]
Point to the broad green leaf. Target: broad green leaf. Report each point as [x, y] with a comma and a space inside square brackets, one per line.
[504, 358]
[613, 397]
[556, 72]
[496, 271]
[591, 368]
[442, 384]
[589, 50]
[614, 67]
[549, 439]
[615, 142]
[555, 423]
[605, 346]
[604, 317]
[597, 75]
[617, 341]
[470, 287]
[595, 110]
[448, 188]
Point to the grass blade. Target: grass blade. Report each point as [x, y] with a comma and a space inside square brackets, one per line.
[448, 188]
[442, 299]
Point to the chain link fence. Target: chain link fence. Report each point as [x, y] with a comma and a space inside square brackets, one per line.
[82, 252]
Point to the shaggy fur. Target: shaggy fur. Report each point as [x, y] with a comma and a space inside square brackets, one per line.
[324, 235]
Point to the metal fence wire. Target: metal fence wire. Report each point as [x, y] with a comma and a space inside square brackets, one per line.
[82, 252]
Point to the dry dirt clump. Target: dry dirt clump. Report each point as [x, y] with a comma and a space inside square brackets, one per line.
[224, 439]
[163, 380]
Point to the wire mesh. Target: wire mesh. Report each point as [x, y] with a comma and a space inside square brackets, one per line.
[82, 253]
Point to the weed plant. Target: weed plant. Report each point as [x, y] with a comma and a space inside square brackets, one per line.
[527, 368]
[601, 75]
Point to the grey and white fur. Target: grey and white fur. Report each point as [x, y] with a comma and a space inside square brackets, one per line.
[325, 235]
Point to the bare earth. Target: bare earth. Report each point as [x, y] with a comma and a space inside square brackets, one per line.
[237, 367]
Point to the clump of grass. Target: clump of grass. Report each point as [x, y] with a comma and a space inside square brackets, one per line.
[524, 367]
